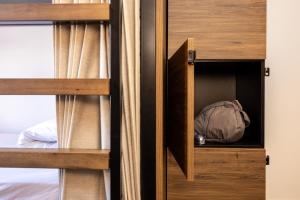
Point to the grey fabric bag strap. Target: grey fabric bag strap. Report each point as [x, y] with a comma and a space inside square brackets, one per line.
[244, 114]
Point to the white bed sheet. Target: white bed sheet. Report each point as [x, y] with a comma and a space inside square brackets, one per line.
[26, 184]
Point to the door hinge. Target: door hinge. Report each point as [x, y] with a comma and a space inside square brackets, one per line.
[267, 71]
[268, 160]
[191, 56]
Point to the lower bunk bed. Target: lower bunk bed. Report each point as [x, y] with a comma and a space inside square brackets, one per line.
[27, 183]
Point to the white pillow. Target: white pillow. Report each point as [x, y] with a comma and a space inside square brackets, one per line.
[26, 143]
[43, 132]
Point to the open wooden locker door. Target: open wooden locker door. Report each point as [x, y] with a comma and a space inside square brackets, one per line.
[181, 107]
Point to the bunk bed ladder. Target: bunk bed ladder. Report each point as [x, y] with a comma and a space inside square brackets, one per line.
[45, 13]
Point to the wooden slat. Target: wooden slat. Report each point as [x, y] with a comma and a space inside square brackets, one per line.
[160, 99]
[54, 12]
[54, 86]
[55, 158]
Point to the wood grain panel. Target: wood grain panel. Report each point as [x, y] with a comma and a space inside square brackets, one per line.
[54, 86]
[223, 29]
[181, 108]
[160, 100]
[55, 158]
[220, 174]
[54, 12]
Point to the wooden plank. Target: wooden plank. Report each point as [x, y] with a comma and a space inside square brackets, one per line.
[220, 173]
[181, 108]
[223, 29]
[54, 12]
[54, 87]
[160, 99]
[55, 158]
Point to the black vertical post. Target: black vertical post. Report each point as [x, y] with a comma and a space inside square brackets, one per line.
[115, 85]
[262, 104]
[148, 100]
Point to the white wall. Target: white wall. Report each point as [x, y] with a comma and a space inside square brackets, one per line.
[283, 99]
[25, 52]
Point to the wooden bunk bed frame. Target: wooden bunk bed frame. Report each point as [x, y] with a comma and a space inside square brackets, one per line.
[43, 13]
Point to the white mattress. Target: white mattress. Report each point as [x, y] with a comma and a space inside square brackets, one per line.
[26, 184]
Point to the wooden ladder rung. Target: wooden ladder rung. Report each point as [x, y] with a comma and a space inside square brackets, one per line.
[54, 87]
[54, 158]
[54, 12]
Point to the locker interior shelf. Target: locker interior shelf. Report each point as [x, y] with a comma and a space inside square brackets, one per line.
[227, 80]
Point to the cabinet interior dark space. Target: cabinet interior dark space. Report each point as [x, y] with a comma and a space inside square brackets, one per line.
[229, 80]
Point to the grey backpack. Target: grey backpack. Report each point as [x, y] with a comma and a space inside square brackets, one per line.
[222, 122]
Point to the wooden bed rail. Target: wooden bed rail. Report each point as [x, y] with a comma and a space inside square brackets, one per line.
[54, 12]
[54, 158]
[54, 87]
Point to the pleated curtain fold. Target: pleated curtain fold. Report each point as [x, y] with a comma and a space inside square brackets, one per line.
[82, 51]
[130, 129]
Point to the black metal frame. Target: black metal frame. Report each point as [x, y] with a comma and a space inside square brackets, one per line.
[115, 165]
[148, 100]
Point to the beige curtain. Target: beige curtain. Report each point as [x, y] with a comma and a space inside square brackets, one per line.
[81, 51]
[130, 129]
